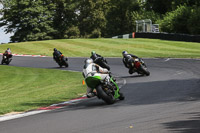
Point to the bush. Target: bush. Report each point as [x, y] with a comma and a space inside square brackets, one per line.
[96, 33]
[72, 32]
[176, 21]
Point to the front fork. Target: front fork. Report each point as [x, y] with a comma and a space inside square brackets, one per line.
[117, 95]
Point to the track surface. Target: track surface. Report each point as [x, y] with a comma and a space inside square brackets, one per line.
[166, 101]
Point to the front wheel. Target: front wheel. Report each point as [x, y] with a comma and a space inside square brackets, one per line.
[109, 99]
[66, 64]
[121, 97]
[2, 62]
[7, 63]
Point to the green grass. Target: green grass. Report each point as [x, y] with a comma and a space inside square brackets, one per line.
[109, 47]
[23, 89]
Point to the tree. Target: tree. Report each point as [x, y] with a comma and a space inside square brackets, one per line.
[92, 20]
[191, 3]
[29, 20]
[176, 21]
[193, 24]
[119, 17]
[159, 6]
[65, 19]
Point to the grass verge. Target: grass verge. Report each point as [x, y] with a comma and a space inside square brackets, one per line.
[109, 47]
[23, 89]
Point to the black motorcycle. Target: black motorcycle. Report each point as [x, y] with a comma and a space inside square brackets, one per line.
[139, 66]
[6, 59]
[62, 61]
[102, 62]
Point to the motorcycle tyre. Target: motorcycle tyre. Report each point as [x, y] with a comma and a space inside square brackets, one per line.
[145, 71]
[60, 64]
[121, 97]
[2, 62]
[105, 65]
[7, 63]
[66, 64]
[108, 99]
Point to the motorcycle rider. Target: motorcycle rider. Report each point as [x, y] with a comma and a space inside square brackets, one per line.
[92, 69]
[7, 53]
[56, 54]
[98, 59]
[95, 56]
[128, 59]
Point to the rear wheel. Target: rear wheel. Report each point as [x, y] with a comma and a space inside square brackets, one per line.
[144, 70]
[60, 64]
[105, 65]
[109, 99]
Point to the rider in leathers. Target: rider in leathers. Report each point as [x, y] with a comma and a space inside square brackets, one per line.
[95, 56]
[128, 59]
[56, 54]
[92, 69]
[8, 51]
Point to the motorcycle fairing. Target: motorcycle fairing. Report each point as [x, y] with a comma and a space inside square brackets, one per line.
[93, 81]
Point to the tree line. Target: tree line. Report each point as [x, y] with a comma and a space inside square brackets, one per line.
[32, 20]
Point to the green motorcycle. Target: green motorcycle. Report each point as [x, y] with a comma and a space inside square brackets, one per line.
[106, 90]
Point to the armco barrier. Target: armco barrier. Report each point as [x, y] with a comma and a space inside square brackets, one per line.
[163, 36]
[169, 36]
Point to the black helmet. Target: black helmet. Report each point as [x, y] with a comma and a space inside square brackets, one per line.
[55, 49]
[8, 48]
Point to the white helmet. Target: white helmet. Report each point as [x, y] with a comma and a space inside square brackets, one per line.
[124, 53]
[88, 61]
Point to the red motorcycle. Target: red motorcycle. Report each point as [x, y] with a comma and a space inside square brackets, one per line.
[62, 61]
[7, 57]
[140, 67]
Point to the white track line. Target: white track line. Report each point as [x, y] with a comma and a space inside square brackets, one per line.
[41, 110]
[20, 115]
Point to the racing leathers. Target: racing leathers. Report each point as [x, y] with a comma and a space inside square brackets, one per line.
[7, 53]
[56, 55]
[93, 69]
[128, 60]
[95, 56]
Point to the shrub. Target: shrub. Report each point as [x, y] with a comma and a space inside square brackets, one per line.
[72, 32]
[176, 21]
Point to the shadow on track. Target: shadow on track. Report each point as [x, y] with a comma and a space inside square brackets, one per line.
[132, 76]
[148, 93]
[186, 126]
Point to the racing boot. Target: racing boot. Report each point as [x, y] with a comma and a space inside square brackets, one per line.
[91, 94]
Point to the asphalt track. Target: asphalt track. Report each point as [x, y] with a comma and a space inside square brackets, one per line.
[166, 101]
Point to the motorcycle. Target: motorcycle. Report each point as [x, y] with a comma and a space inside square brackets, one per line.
[140, 67]
[107, 90]
[6, 59]
[62, 61]
[102, 62]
